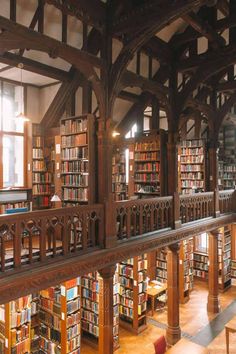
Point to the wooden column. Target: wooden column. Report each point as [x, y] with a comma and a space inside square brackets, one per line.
[213, 304]
[173, 332]
[151, 262]
[105, 342]
[213, 165]
[172, 157]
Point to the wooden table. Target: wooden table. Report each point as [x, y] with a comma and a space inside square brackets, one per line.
[153, 291]
[184, 346]
[230, 327]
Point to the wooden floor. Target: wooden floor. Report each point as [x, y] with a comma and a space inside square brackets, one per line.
[193, 318]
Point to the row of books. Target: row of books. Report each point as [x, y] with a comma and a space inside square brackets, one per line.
[118, 169]
[192, 175]
[72, 126]
[41, 189]
[75, 180]
[38, 153]
[143, 177]
[75, 167]
[150, 155]
[147, 167]
[192, 151]
[39, 166]
[192, 183]
[192, 159]
[42, 178]
[192, 168]
[37, 141]
[147, 146]
[80, 194]
[73, 140]
[74, 153]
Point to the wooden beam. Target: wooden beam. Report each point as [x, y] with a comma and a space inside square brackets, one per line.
[226, 86]
[92, 12]
[41, 16]
[34, 66]
[223, 6]
[128, 96]
[131, 79]
[55, 271]
[204, 29]
[19, 36]
[57, 107]
[158, 49]
[13, 10]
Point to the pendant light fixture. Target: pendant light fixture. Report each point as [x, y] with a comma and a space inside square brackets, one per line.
[21, 115]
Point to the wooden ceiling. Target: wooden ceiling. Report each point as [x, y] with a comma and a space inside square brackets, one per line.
[179, 55]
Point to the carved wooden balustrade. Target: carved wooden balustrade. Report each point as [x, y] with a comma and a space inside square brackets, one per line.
[136, 217]
[226, 201]
[196, 206]
[34, 237]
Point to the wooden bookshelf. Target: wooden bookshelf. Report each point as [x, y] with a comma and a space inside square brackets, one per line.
[224, 254]
[77, 160]
[59, 316]
[185, 270]
[233, 268]
[15, 324]
[35, 326]
[227, 157]
[41, 173]
[192, 166]
[161, 265]
[90, 308]
[133, 296]
[119, 185]
[148, 157]
[200, 265]
[15, 200]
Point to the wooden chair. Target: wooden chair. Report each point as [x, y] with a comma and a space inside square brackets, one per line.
[160, 345]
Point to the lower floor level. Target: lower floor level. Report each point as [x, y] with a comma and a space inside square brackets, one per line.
[197, 325]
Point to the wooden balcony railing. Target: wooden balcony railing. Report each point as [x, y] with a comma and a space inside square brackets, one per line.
[226, 201]
[136, 217]
[196, 206]
[38, 236]
[30, 239]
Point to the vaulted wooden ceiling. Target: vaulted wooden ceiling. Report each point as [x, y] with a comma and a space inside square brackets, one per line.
[177, 56]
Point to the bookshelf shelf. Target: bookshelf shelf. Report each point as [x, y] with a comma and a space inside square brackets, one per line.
[192, 166]
[77, 159]
[133, 296]
[224, 254]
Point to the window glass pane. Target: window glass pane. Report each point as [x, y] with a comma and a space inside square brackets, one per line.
[12, 105]
[13, 161]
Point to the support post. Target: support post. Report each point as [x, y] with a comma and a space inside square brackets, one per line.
[173, 331]
[172, 157]
[213, 304]
[105, 343]
[176, 211]
[213, 165]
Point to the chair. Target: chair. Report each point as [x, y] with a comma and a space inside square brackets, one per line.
[160, 345]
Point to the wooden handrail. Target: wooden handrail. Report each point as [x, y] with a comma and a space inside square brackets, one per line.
[37, 237]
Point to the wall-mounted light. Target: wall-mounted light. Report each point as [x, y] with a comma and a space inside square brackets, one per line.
[114, 134]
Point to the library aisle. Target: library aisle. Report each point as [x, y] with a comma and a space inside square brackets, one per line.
[194, 321]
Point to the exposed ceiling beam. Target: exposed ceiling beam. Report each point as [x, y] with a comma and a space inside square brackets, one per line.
[226, 86]
[33, 66]
[128, 96]
[223, 6]
[92, 12]
[204, 29]
[16, 36]
[158, 49]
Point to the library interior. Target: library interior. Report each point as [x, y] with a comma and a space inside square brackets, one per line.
[117, 176]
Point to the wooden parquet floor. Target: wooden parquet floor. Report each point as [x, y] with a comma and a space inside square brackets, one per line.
[193, 318]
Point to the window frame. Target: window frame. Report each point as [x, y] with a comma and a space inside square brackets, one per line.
[11, 133]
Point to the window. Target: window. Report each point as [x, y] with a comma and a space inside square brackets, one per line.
[201, 243]
[12, 136]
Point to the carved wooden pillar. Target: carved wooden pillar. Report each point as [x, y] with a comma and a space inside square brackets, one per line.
[105, 343]
[213, 304]
[172, 157]
[173, 332]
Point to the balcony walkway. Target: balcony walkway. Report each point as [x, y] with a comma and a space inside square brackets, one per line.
[49, 247]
